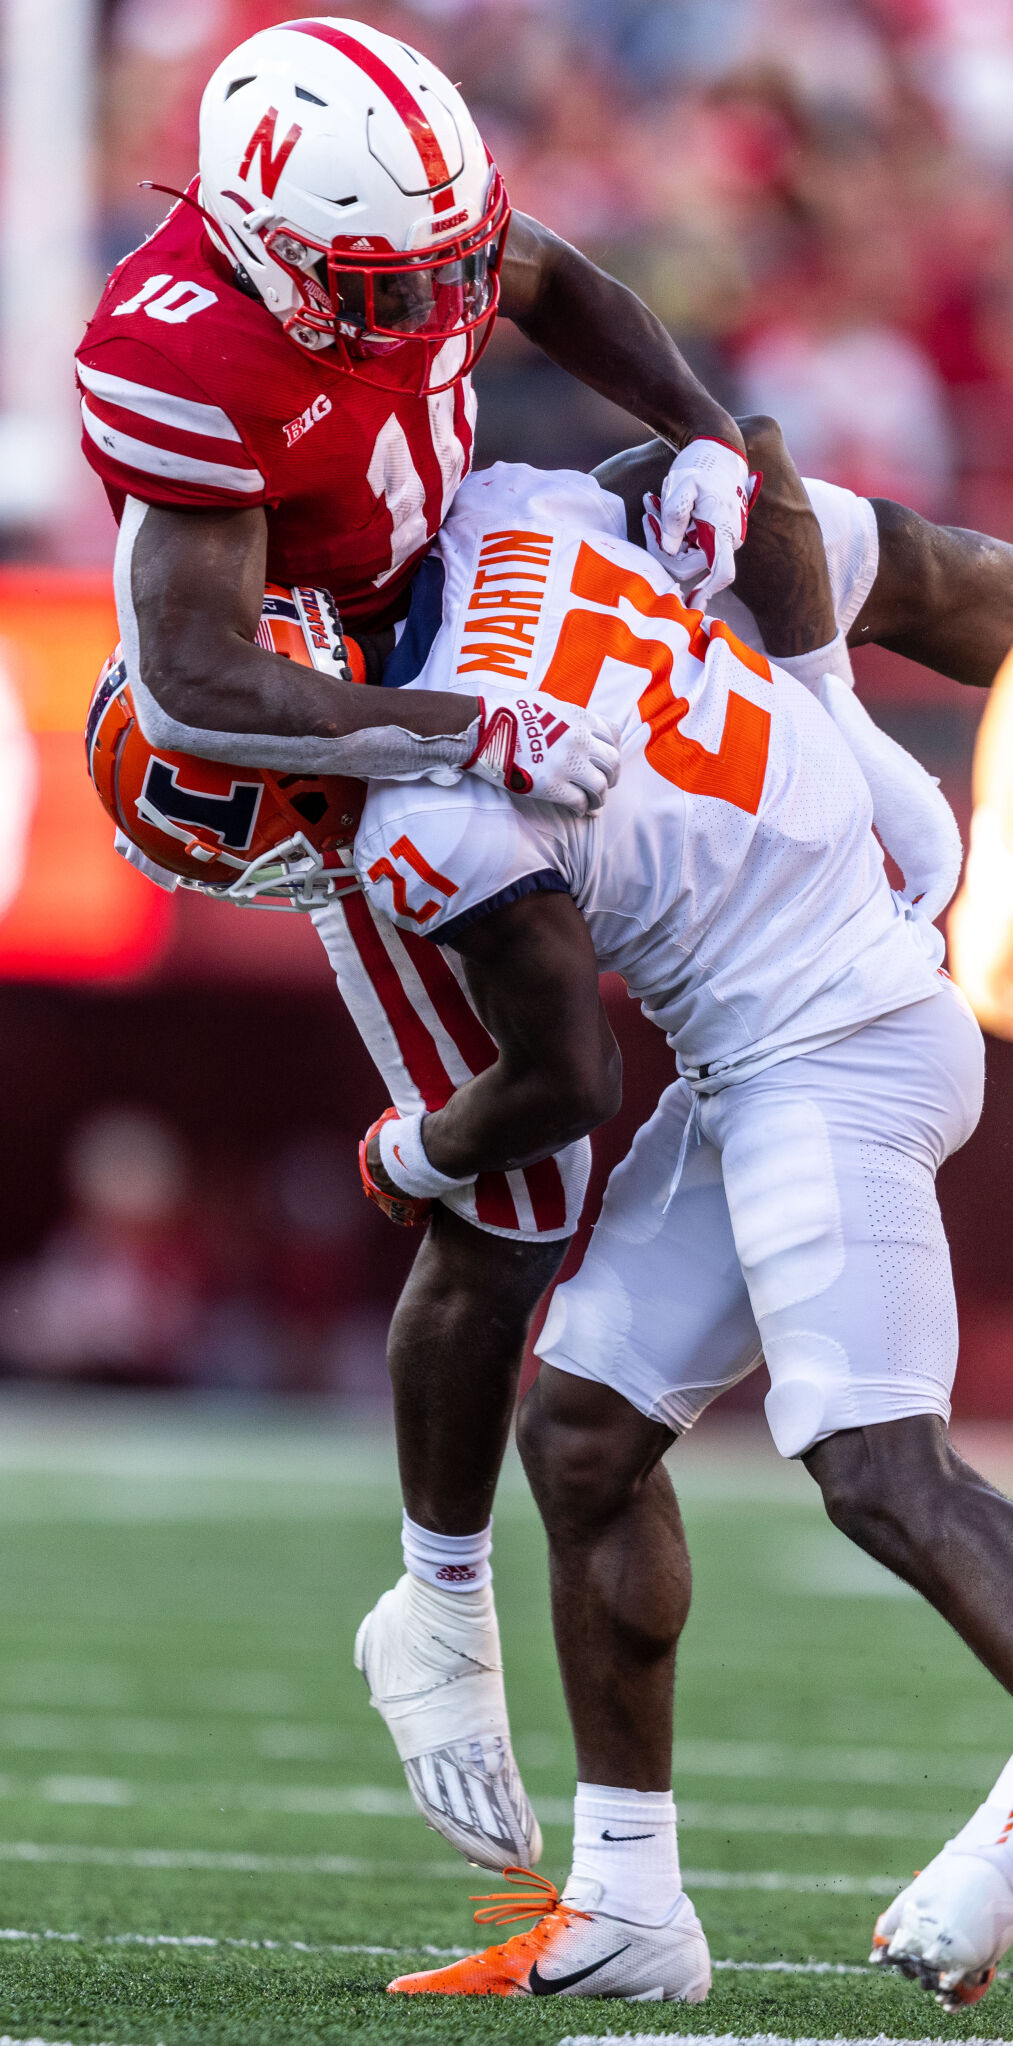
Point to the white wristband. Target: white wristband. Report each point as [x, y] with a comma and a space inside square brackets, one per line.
[403, 1156]
[826, 660]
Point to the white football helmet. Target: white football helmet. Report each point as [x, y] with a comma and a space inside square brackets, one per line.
[347, 177]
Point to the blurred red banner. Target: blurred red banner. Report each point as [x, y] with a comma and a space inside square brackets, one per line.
[70, 908]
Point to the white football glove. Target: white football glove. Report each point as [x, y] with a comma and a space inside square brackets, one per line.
[551, 752]
[700, 519]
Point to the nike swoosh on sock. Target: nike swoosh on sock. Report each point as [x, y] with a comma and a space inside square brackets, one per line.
[626, 1836]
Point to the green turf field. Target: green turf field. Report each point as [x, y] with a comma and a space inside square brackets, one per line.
[205, 1833]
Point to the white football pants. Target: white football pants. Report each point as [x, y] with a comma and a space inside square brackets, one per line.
[803, 1231]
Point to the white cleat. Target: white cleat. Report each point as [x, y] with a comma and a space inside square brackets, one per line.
[950, 1928]
[576, 1950]
[435, 1674]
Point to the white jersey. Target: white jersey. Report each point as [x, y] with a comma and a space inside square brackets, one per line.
[732, 878]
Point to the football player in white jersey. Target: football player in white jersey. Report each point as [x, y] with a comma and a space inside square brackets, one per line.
[781, 1199]
[943, 597]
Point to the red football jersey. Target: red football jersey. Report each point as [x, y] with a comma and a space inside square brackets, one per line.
[193, 395]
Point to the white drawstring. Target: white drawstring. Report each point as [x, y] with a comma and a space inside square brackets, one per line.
[692, 1125]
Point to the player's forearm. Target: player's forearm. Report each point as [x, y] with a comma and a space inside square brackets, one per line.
[505, 1119]
[245, 718]
[231, 687]
[189, 592]
[604, 334]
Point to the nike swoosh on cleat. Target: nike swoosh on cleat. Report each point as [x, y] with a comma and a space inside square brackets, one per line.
[540, 1987]
[626, 1836]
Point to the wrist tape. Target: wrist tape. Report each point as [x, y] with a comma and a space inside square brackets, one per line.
[403, 1156]
[825, 660]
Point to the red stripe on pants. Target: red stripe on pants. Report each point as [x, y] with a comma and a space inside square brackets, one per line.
[494, 1202]
[415, 1043]
[452, 1006]
[548, 1195]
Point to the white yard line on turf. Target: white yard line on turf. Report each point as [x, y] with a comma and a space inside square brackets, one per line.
[744, 2039]
[340, 1864]
[205, 1942]
[71, 1854]
[6, 2040]
[378, 1801]
[826, 1764]
[298, 1739]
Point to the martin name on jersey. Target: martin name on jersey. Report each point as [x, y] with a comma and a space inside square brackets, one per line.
[733, 878]
[194, 396]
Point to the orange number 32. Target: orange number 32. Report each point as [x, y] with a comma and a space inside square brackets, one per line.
[587, 639]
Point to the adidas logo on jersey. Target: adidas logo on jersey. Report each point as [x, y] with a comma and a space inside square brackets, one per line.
[295, 428]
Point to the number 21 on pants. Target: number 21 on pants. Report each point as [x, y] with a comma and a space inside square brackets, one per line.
[587, 639]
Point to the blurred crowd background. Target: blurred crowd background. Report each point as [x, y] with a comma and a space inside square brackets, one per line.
[817, 197]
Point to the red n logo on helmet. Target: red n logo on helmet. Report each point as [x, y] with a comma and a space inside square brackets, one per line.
[262, 142]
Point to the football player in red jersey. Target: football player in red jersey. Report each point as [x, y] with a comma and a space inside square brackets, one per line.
[277, 386]
[289, 355]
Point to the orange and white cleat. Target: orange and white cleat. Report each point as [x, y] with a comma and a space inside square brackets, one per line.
[574, 1950]
[950, 1928]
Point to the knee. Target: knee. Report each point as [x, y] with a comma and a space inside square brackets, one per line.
[581, 1468]
[890, 1505]
[469, 1288]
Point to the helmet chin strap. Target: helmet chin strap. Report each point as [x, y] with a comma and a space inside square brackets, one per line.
[149, 185]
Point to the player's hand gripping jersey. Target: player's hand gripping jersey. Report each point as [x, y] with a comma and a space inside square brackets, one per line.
[733, 879]
[193, 395]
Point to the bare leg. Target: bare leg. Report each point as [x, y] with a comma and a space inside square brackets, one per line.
[455, 1350]
[430, 1651]
[903, 1494]
[619, 1571]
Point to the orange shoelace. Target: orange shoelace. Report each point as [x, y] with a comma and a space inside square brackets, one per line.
[506, 1907]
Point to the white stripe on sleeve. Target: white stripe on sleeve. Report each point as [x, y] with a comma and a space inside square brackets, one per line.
[184, 413]
[152, 461]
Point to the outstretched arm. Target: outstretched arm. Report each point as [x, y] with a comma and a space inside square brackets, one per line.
[189, 591]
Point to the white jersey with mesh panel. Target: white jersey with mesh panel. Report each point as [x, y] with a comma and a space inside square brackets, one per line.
[733, 878]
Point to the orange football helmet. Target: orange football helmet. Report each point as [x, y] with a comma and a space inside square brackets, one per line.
[248, 834]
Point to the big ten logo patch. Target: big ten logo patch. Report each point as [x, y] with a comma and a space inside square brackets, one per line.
[297, 427]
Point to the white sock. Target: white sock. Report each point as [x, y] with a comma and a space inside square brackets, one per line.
[625, 1841]
[992, 1823]
[450, 1562]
